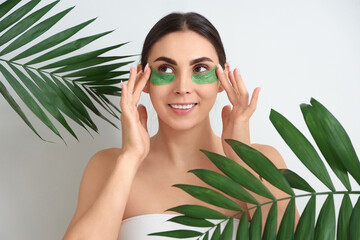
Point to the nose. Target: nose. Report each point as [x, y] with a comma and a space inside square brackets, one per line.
[183, 84]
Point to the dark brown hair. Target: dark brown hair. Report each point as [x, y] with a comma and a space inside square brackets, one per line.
[176, 21]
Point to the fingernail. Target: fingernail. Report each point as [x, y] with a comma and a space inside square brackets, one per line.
[221, 69]
[121, 83]
[238, 69]
[146, 67]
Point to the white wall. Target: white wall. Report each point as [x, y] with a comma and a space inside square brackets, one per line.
[293, 49]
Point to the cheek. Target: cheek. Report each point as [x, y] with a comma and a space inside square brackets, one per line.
[208, 93]
[157, 94]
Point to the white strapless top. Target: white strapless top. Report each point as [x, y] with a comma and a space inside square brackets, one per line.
[138, 227]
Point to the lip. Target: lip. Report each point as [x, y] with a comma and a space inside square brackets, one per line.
[183, 103]
[182, 111]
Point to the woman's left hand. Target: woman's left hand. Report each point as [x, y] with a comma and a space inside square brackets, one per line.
[236, 119]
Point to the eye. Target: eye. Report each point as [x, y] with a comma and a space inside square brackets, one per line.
[201, 68]
[165, 69]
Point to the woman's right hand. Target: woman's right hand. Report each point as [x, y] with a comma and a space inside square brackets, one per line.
[135, 137]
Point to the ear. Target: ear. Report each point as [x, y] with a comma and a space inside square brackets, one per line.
[139, 67]
[227, 66]
[146, 88]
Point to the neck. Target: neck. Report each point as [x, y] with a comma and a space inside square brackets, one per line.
[182, 147]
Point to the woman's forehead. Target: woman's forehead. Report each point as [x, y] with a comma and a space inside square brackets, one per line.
[183, 46]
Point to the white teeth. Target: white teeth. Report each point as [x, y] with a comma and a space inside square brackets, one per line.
[188, 106]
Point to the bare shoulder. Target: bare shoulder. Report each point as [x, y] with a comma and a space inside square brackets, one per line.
[96, 173]
[103, 160]
[271, 153]
[98, 169]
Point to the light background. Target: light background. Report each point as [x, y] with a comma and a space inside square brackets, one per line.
[294, 50]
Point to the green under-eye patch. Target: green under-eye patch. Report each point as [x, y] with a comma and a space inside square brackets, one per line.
[157, 78]
[203, 78]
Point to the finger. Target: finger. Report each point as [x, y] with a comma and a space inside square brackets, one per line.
[143, 115]
[123, 99]
[225, 113]
[138, 77]
[131, 81]
[233, 82]
[226, 84]
[141, 84]
[254, 100]
[242, 88]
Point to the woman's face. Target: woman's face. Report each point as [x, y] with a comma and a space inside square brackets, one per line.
[183, 103]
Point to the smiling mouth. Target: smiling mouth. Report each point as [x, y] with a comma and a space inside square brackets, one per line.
[182, 106]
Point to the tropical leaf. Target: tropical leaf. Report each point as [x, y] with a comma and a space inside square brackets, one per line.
[178, 234]
[224, 184]
[243, 228]
[288, 222]
[238, 174]
[308, 227]
[227, 233]
[312, 118]
[190, 221]
[210, 196]
[301, 146]
[271, 224]
[354, 230]
[306, 224]
[197, 211]
[344, 218]
[256, 225]
[296, 181]
[260, 164]
[50, 78]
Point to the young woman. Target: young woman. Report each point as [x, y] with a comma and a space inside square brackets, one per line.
[125, 192]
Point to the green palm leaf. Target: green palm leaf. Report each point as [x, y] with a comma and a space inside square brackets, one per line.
[313, 119]
[238, 177]
[42, 98]
[6, 6]
[52, 41]
[306, 224]
[17, 15]
[210, 196]
[255, 225]
[354, 230]
[190, 221]
[271, 224]
[197, 211]
[325, 225]
[216, 234]
[344, 218]
[243, 228]
[260, 164]
[224, 184]
[17, 108]
[24, 24]
[28, 100]
[287, 224]
[238, 173]
[177, 234]
[342, 148]
[35, 32]
[51, 78]
[301, 147]
[296, 181]
[227, 233]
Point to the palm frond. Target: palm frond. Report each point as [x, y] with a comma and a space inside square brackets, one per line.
[339, 153]
[49, 76]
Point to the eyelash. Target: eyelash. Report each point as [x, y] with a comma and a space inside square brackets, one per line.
[197, 66]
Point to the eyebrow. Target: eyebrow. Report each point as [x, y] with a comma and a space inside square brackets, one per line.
[192, 62]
